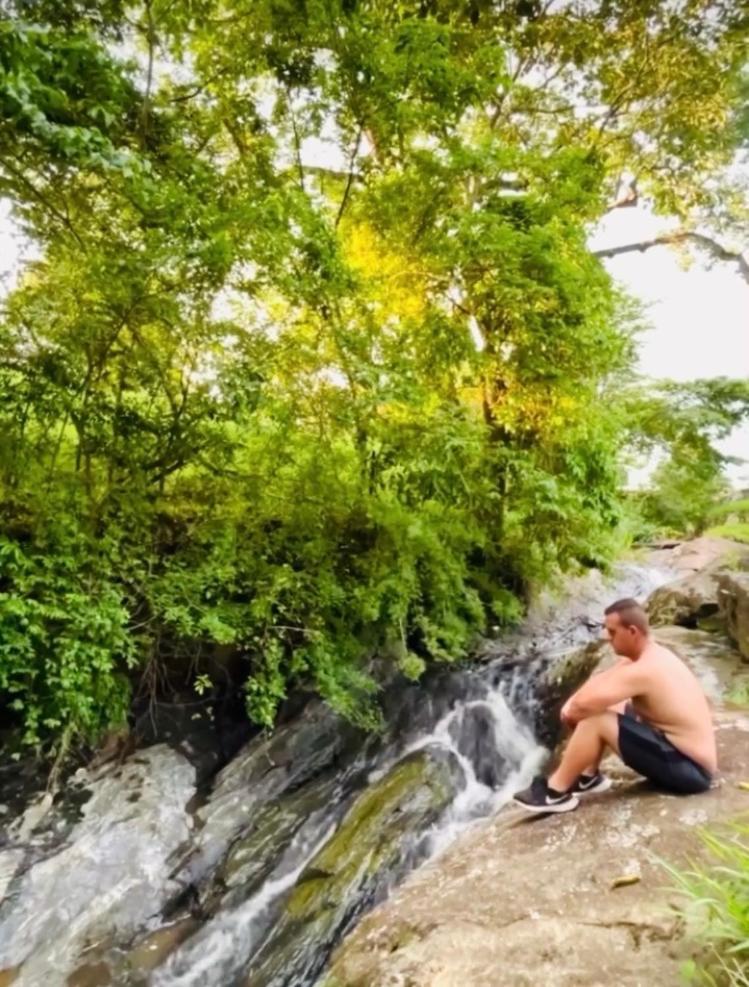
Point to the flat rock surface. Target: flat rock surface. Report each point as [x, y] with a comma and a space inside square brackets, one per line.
[523, 901]
[699, 554]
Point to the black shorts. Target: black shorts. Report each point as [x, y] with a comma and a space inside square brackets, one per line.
[651, 753]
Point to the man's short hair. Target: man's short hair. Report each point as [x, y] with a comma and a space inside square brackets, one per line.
[630, 613]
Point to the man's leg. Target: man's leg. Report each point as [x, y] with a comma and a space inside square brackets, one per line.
[592, 769]
[585, 749]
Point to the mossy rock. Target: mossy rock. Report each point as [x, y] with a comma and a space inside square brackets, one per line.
[371, 848]
[734, 604]
[254, 855]
[685, 602]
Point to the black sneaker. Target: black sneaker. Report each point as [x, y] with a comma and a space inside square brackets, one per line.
[540, 798]
[588, 784]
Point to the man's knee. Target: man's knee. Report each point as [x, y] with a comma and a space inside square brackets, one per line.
[606, 726]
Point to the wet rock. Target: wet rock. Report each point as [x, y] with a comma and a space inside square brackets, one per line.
[686, 601]
[152, 950]
[474, 734]
[208, 732]
[10, 861]
[22, 783]
[90, 975]
[413, 708]
[562, 619]
[255, 854]
[265, 768]
[370, 849]
[110, 876]
[734, 604]
[555, 683]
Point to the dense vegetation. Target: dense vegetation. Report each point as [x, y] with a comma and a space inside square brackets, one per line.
[315, 363]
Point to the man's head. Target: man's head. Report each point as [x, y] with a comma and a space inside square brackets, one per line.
[627, 627]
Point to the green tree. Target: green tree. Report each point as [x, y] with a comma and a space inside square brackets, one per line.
[682, 422]
[320, 410]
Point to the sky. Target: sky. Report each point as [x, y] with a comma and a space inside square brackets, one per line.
[699, 317]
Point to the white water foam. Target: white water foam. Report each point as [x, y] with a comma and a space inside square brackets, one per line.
[225, 945]
[477, 800]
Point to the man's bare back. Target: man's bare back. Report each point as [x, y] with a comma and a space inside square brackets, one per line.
[672, 700]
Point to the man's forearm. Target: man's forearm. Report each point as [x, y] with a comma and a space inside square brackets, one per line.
[580, 710]
[577, 708]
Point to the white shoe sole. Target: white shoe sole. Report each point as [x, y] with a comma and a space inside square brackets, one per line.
[567, 806]
[603, 786]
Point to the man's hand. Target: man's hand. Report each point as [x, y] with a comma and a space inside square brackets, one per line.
[566, 715]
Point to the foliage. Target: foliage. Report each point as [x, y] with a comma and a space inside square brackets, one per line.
[734, 515]
[682, 493]
[717, 907]
[735, 509]
[736, 531]
[64, 634]
[683, 421]
[314, 412]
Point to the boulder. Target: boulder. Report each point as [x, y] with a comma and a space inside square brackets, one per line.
[474, 735]
[700, 554]
[685, 602]
[711, 657]
[111, 876]
[254, 855]
[555, 683]
[265, 769]
[733, 597]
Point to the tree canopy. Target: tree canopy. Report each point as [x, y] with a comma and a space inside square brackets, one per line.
[316, 363]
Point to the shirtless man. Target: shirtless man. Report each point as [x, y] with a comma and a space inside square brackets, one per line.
[648, 708]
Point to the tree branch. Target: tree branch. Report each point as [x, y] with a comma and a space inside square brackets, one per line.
[146, 106]
[40, 197]
[297, 139]
[349, 177]
[702, 240]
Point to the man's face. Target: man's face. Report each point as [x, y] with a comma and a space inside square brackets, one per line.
[623, 639]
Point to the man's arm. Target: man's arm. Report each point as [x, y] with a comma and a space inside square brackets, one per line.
[601, 691]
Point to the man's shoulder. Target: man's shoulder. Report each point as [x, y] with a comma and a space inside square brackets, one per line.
[660, 651]
[658, 659]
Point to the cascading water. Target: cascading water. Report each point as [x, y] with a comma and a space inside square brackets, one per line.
[289, 849]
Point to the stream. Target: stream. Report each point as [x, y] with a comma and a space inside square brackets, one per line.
[144, 875]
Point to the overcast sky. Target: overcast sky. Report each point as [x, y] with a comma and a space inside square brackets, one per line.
[699, 316]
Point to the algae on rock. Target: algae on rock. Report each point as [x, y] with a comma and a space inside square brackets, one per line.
[380, 833]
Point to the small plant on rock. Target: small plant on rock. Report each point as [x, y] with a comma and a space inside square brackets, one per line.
[716, 908]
